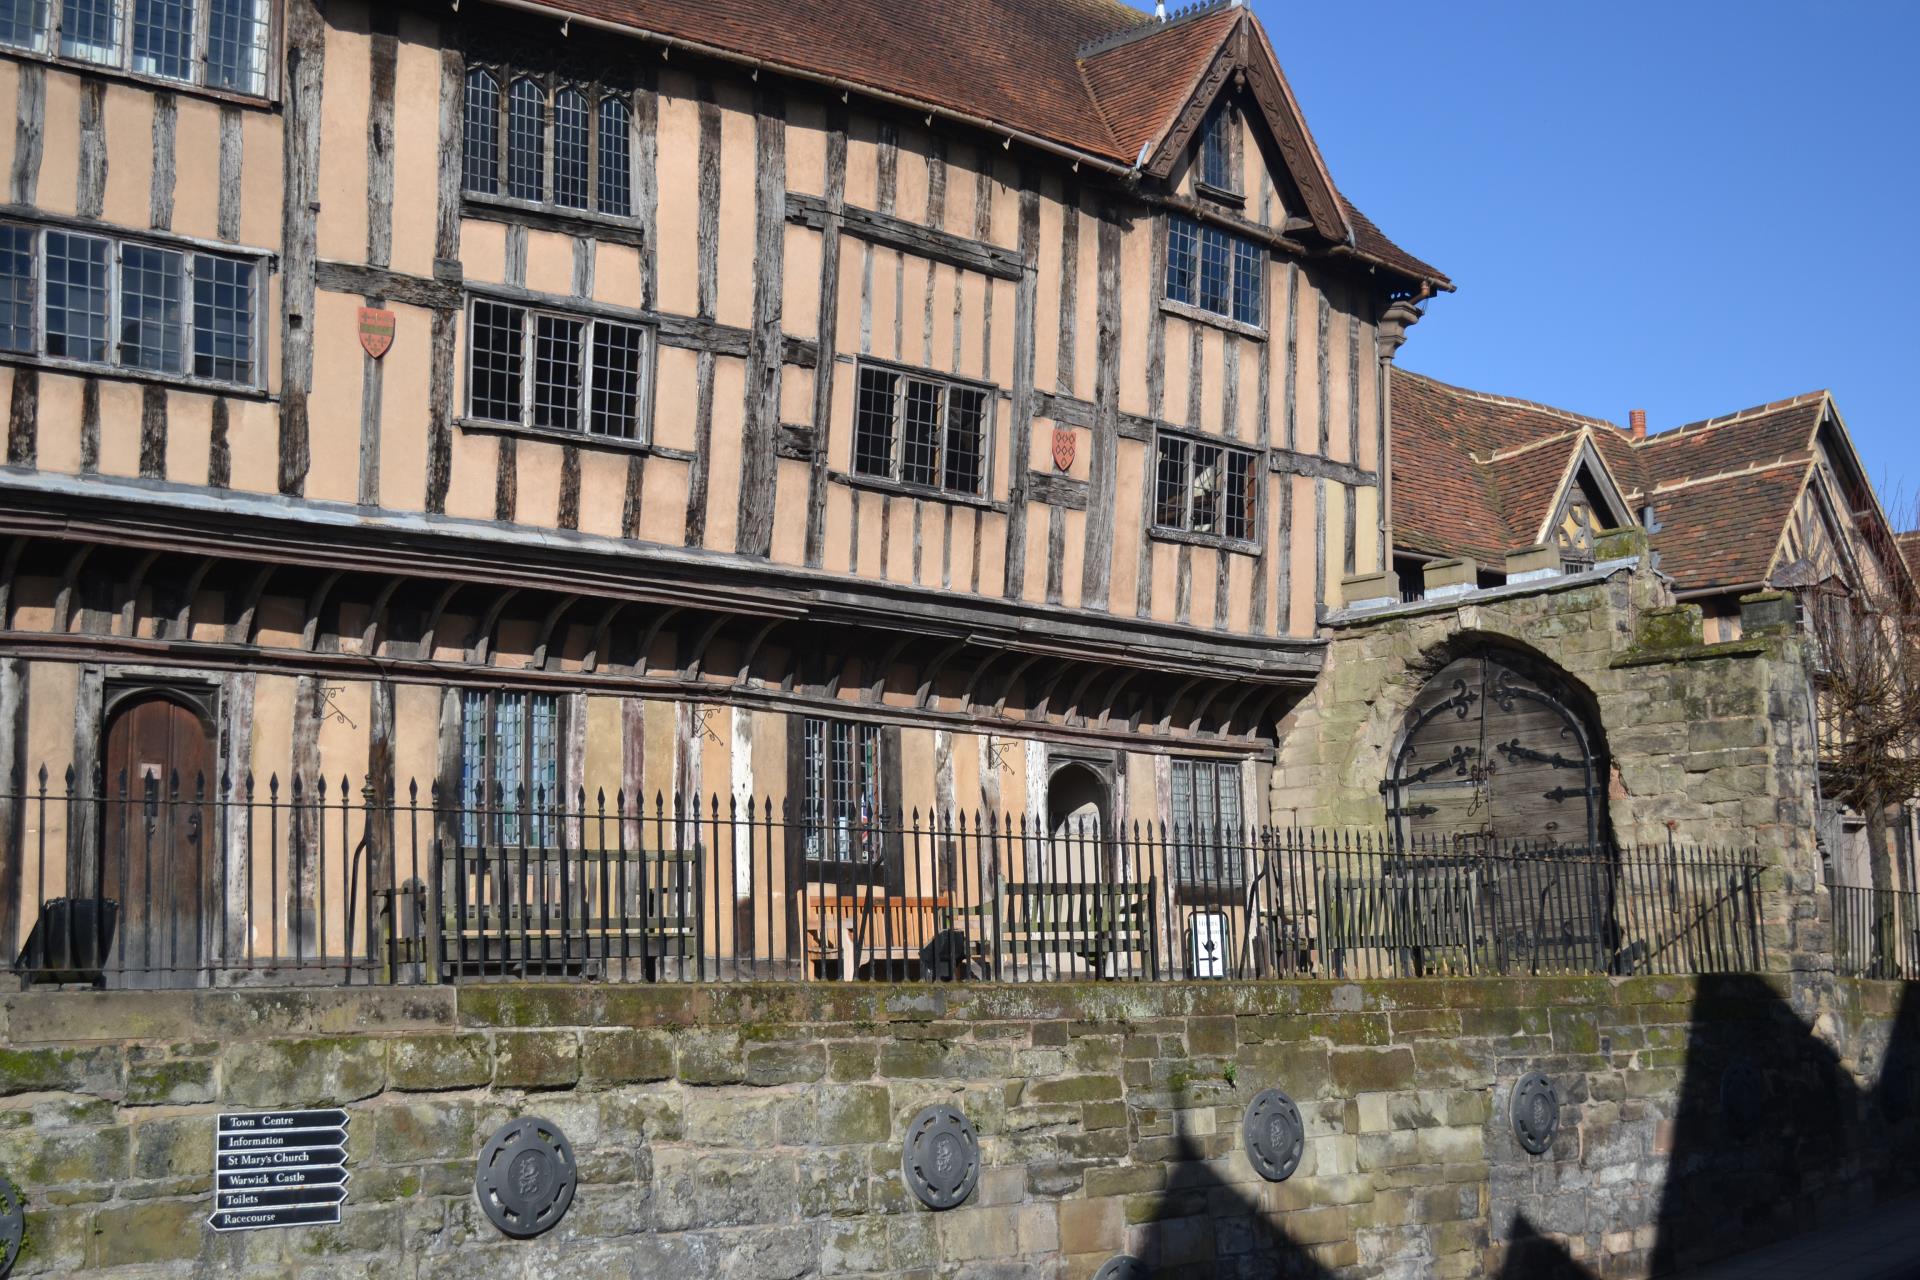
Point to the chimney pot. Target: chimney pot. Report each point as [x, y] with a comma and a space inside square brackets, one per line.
[1637, 424]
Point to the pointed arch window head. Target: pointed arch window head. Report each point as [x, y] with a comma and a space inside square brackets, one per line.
[1216, 152]
[616, 164]
[570, 163]
[481, 163]
[537, 139]
[526, 141]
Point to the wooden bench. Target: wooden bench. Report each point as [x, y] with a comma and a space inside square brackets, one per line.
[1100, 924]
[857, 932]
[548, 912]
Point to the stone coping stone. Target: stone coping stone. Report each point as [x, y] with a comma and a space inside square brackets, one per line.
[77, 1017]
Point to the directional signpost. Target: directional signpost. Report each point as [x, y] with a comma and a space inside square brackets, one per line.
[279, 1169]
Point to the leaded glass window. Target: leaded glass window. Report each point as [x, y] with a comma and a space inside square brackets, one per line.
[78, 298]
[526, 141]
[1214, 270]
[1205, 814]
[922, 431]
[480, 161]
[841, 765]
[1204, 487]
[616, 158]
[510, 768]
[556, 372]
[564, 144]
[163, 38]
[570, 149]
[16, 288]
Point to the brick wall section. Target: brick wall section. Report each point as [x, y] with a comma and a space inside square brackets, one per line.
[753, 1131]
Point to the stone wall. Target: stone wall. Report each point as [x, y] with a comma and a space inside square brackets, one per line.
[754, 1131]
[1709, 743]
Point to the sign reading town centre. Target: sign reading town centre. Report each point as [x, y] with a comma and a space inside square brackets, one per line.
[279, 1169]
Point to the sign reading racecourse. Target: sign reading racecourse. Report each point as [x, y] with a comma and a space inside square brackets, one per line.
[279, 1169]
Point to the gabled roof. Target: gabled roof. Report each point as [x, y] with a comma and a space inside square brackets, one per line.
[1723, 490]
[1909, 544]
[1477, 474]
[1095, 80]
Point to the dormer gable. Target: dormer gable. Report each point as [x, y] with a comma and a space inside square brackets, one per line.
[1588, 501]
[1161, 85]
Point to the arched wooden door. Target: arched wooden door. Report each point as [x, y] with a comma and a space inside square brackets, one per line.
[1495, 790]
[1491, 753]
[156, 841]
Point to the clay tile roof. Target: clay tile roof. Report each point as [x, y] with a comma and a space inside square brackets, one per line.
[1473, 474]
[1142, 83]
[1094, 77]
[1723, 533]
[1909, 544]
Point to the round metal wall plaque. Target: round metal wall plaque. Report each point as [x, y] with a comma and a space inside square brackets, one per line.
[1743, 1096]
[1274, 1135]
[1122, 1268]
[13, 1223]
[1536, 1112]
[941, 1159]
[525, 1177]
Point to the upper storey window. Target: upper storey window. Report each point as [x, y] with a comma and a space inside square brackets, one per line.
[128, 304]
[1205, 488]
[1216, 153]
[532, 139]
[1214, 270]
[555, 371]
[221, 44]
[922, 431]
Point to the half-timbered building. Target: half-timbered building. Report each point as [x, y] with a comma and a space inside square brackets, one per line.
[818, 404]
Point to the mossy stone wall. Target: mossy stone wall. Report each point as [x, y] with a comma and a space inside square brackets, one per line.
[753, 1131]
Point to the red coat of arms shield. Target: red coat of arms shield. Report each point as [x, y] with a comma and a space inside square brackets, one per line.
[376, 331]
[1065, 443]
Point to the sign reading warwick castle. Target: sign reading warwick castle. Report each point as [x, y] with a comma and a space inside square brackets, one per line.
[542, 541]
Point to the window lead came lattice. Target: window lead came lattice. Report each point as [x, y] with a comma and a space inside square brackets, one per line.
[23, 23]
[616, 158]
[237, 46]
[556, 372]
[163, 38]
[570, 149]
[77, 307]
[150, 306]
[526, 140]
[927, 432]
[480, 162]
[1205, 488]
[90, 30]
[16, 288]
[1216, 271]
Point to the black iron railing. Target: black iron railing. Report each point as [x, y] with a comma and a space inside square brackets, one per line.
[174, 882]
[1876, 932]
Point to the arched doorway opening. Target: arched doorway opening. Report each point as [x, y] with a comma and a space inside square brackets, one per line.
[1496, 798]
[1079, 800]
[157, 846]
[1498, 749]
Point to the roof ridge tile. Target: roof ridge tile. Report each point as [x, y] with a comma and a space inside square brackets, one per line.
[1149, 25]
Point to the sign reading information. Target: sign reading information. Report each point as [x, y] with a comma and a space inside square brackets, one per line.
[279, 1169]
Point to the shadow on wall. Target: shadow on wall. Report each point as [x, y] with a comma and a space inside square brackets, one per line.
[1771, 1138]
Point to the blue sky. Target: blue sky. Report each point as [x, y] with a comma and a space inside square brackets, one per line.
[1687, 207]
